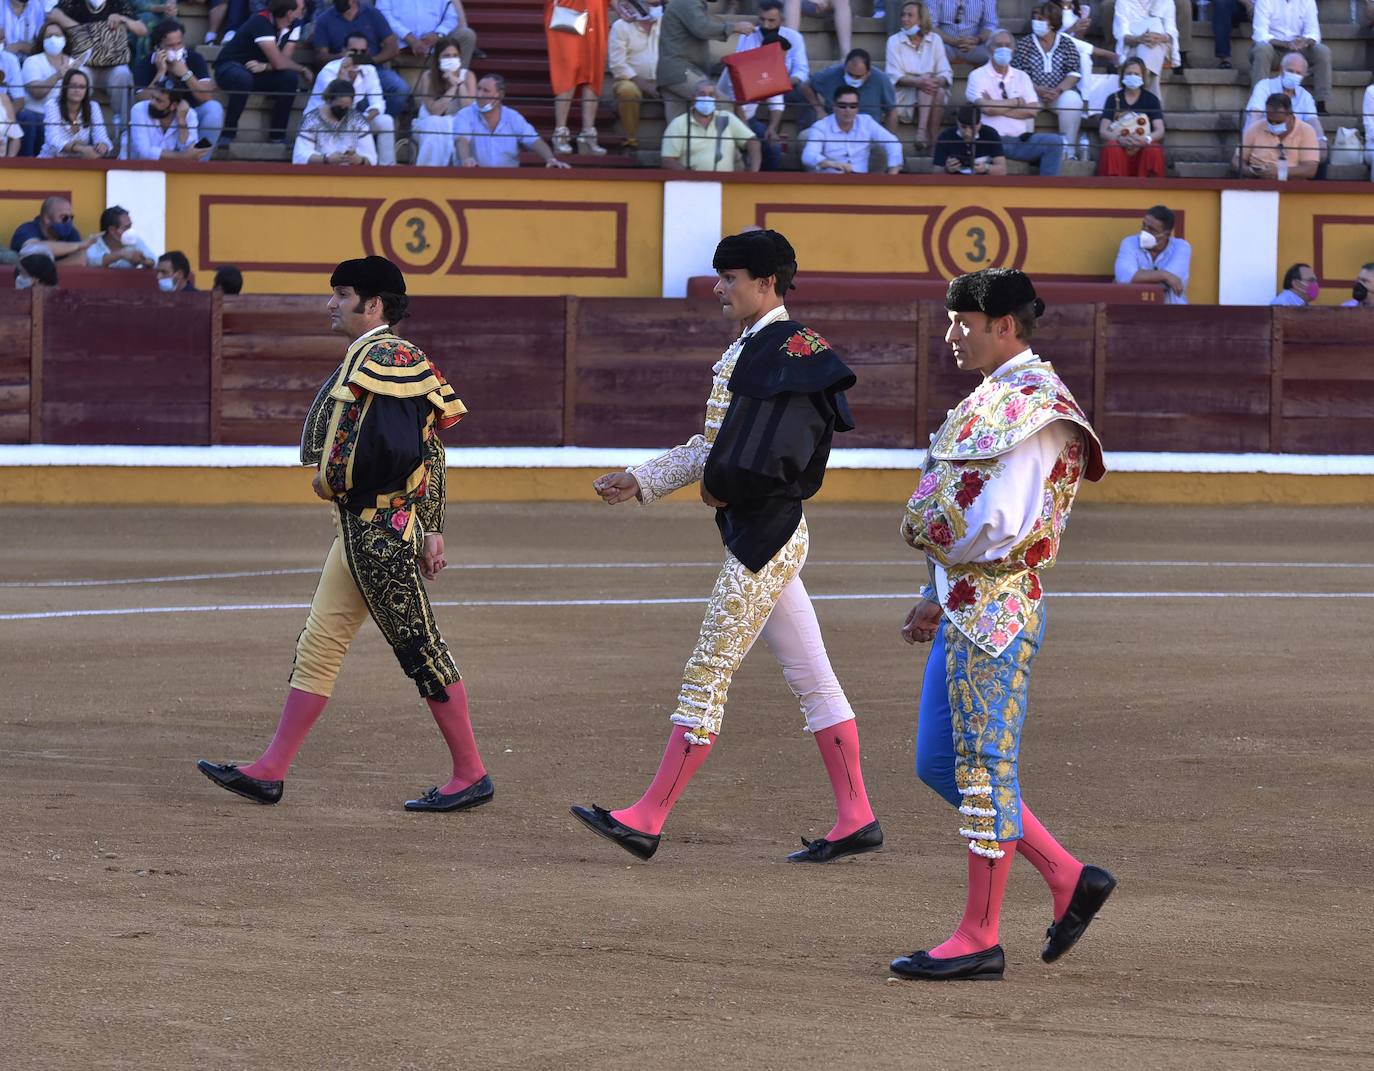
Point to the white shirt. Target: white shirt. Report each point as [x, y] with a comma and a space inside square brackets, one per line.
[798, 67]
[1135, 17]
[57, 134]
[986, 83]
[35, 69]
[367, 86]
[1283, 20]
[147, 138]
[322, 136]
[373, 331]
[1369, 119]
[1304, 106]
[97, 251]
[632, 53]
[14, 76]
[905, 59]
[828, 142]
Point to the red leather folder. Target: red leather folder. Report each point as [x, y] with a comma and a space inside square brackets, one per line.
[759, 73]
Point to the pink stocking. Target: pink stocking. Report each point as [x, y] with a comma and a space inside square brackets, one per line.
[987, 881]
[839, 746]
[453, 721]
[1059, 869]
[297, 716]
[680, 761]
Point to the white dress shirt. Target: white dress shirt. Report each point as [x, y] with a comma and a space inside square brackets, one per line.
[905, 59]
[1135, 17]
[419, 17]
[1369, 120]
[986, 83]
[632, 53]
[798, 67]
[1283, 20]
[57, 134]
[828, 142]
[367, 87]
[37, 68]
[148, 139]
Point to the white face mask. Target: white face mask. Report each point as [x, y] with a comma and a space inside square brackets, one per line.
[450, 63]
[175, 54]
[1148, 241]
[23, 282]
[1039, 27]
[53, 45]
[167, 285]
[705, 105]
[96, 5]
[485, 108]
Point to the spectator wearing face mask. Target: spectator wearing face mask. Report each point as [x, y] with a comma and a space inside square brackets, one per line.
[96, 25]
[769, 130]
[876, 97]
[1132, 128]
[55, 228]
[632, 58]
[356, 68]
[1287, 26]
[116, 247]
[35, 269]
[488, 134]
[1007, 98]
[335, 132]
[1300, 287]
[171, 59]
[344, 18]
[228, 280]
[72, 122]
[1292, 72]
[684, 51]
[1362, 293]
[1055, 67]
[42, 72]
[709, 138]
[1277, 147]
[442, 92]
[1156, 256]
[919, 69]
[845, 141]
[163, 126]
[1148, 29]
[174, 273]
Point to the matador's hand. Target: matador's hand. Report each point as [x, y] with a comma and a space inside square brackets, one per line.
[320, 488]
[710, 499]
[432, 558]
[616, 487]
[921, 623]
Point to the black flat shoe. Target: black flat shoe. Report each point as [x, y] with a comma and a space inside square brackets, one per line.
[1091, 892]
[227, 775]
[985, 966]
[599, 820]
[820, 850]
[476, 794]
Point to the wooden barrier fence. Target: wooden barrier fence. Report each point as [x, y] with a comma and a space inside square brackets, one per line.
[119, 367]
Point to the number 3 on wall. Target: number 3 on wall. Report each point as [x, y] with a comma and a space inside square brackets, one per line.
[418, 242]
[979, 238]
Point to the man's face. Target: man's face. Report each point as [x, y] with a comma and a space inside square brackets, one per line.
[1294, 63]
[1306, 276]
[1158, 229]
[1366, 279]
[356, 47]
[857, 68]
[340, 105]
[911, 16]
[846, 108]
[121, 225]
[164, 271]
[1001, 39]
[348, 313]
[487, 93]
[968, 133]
[740, 295]
[173, 41]
[1279, 118]
[770, 20]
[58, 214]
[978, 340]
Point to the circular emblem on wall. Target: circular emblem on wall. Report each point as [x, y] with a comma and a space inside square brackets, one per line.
[972, 239]
[417, 235]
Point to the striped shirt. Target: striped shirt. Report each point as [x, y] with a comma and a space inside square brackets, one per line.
[963, 18]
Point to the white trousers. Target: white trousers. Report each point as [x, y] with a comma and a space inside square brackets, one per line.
[793, 635]
[1069, 109]
[384, 130]
[433, 137]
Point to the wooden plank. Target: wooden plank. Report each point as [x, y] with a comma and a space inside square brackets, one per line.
[14, 398]
[571, 318]
[14, 427]
[1276, 330]
[1328, 435]
[36, 364]
[1098, 415]
[1345, 361]
[1221, 433]
[921, 383]
[216, 364]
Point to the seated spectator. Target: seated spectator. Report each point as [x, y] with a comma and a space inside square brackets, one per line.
[422, 24]
[684, 54]
[230, 13]
[965, 27]
[174, 273]
[21, 26]
[632, 58]
[258, 60]
[335, 132]
[709, 138]
[1148, 29]
[172, 58]
[442, 92]
[488, 134]
[1132, 128]
[41, 72]
[1292, 71]
[1300, 287]
[54, 227]
[228, 280]
[115, 247]
[876, 98]
[103, 28]
[1278, 146]
[11, 73]
[1156, 256]
[1362, 293]
[969, 147]
[164, 126]
[150, 13]
[1226, 16]
[843, 141]
[11, 104]
[919, 69]
[355, 67]
[344, 18]
[1007, 98]
[1076, 20]
[1055, 66]
[35, 269]
[771, 30]
[1283, 26]
[72, 123]
[1368, 109]
[839, 11]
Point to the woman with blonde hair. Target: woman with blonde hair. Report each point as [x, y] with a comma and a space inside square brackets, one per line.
[443, 90]
[918, 64]
[577, 65]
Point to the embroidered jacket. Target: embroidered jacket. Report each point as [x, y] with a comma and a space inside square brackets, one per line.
[995, 494]
[372, 432]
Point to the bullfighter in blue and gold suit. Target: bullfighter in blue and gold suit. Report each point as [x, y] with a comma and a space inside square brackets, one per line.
[372, 435]
[994, 496]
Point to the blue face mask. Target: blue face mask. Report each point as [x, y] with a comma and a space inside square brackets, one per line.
[1132, 81]
[705, 105]
[1291, 79]
[1277, 129]
[852, 82]
[1001, 56]
[912, 31]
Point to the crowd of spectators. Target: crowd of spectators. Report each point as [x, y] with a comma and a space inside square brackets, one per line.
[106, 78]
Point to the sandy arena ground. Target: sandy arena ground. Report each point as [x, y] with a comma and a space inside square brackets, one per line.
[1214, 752]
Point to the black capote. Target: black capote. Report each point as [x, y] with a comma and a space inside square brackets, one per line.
[391, 446]
[770, 453]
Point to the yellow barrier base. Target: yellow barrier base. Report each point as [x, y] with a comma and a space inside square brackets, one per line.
[93, 485]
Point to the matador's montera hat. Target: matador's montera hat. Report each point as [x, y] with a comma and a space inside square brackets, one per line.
[369, 276]
[993, 291]
[761, 253]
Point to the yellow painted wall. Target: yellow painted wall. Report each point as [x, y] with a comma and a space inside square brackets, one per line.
[1056, 234]
[22, 193]
[474, 236]
[1332, 232]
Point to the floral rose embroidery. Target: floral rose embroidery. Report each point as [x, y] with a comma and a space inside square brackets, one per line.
[970, 487]
[1034, 591]
[1039, 551]
[999, 638]
[1012, 605]
[1014, 410]
[927, 486]
[962, 594]
[1059, 471]
[399, 519]
[985, 442]
[941, 535]
[805, 343]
